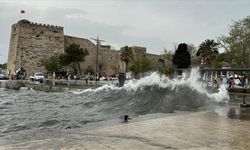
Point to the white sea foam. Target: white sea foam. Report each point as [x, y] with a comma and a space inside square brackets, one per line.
[221, 96]
[155, 78]
[3, 84]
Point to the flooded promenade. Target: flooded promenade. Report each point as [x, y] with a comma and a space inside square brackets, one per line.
[197, 130]
[166, 114]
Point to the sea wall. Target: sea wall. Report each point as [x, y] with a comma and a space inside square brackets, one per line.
[49, 86]
[15, 84]
[60, 86]
[44, 87]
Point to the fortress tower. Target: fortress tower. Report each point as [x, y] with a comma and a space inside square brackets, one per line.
[30, 42]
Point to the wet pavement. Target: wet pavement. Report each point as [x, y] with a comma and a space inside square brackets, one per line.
[220, 128]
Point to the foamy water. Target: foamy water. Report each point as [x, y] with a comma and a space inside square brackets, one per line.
[155, 79]
[25, 113]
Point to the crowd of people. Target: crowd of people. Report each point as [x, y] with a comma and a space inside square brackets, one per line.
[232, 80]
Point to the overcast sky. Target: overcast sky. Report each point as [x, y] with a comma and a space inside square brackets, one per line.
[155, 24]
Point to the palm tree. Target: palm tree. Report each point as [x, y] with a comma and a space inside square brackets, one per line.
[207, 51]
[126, 56]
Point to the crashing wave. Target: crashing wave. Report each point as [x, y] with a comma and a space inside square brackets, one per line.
[157, 93]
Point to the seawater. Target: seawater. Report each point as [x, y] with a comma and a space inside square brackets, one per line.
[26, 114]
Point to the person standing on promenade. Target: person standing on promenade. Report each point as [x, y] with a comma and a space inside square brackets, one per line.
[86, 78]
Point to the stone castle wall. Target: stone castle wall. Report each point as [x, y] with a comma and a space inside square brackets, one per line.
[90, 60]
[108, 59]
[31, 42]
[12, 56]
[110, 62]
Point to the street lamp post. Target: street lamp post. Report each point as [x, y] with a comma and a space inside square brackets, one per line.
[98, 42]
[21, 63]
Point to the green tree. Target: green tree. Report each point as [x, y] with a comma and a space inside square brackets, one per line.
[237, 43]
[161, 65]
[140, 65]
[193, 50]
[89, 69]
[182, 58]
[207, 52]
[3, 66]
[165, 62]
[221, 60]
[126, 56]
[74, 55]
[52, 63]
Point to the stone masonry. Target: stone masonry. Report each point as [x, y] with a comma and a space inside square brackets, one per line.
[30, 42]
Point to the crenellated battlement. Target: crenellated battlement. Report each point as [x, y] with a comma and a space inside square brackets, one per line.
[27, 23]
[31, 42]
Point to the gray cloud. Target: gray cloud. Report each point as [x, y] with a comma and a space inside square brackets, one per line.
[154, 24]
